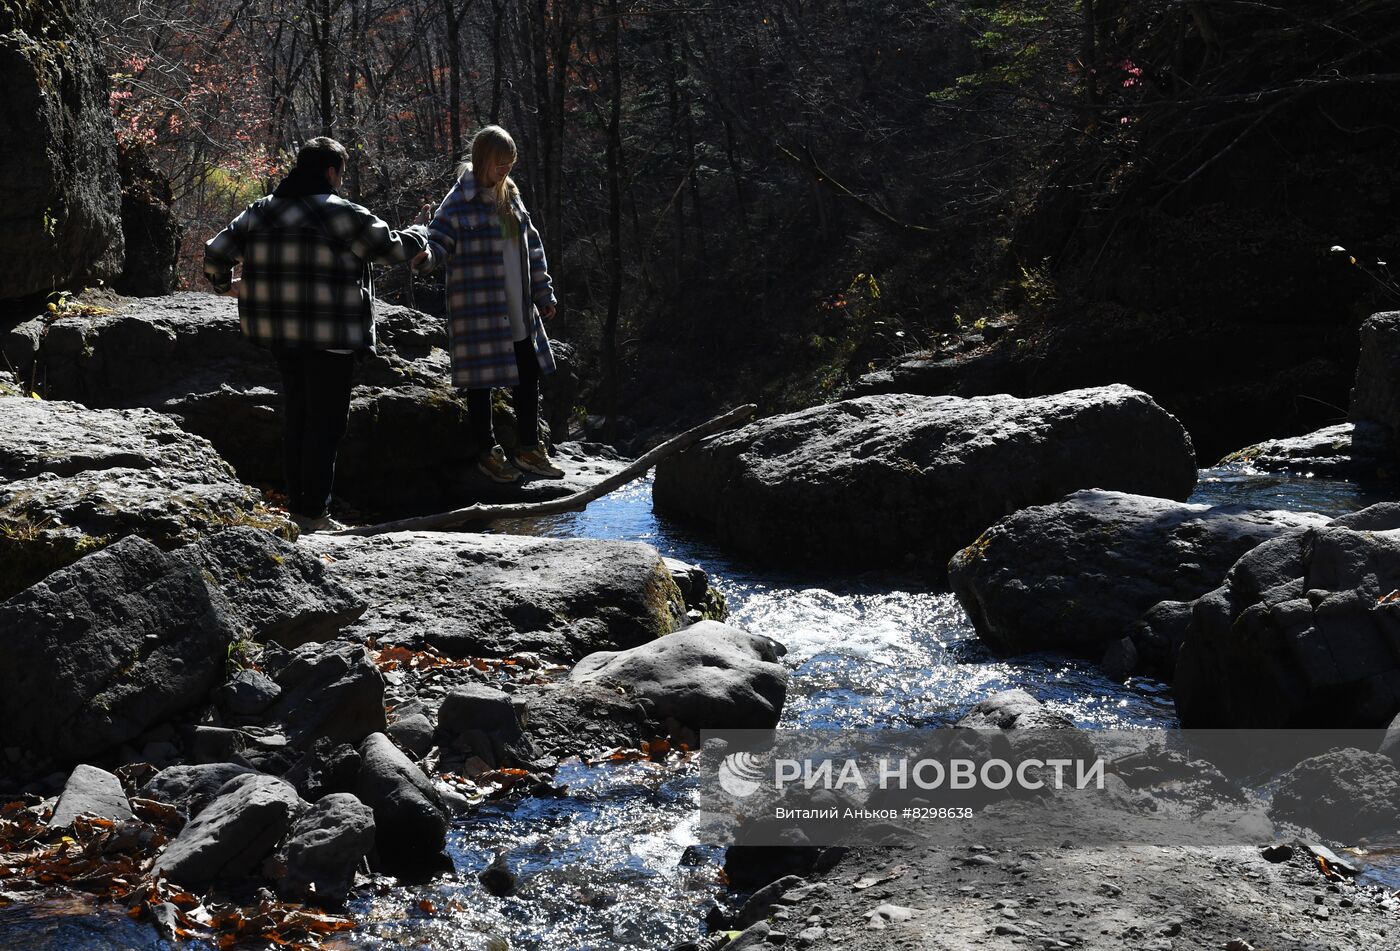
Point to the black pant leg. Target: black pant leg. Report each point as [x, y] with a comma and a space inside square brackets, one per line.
[479, 419]
[292, 366]
[527, 393]
[329, 380]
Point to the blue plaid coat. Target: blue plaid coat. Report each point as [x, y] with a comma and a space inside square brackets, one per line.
[466, 235]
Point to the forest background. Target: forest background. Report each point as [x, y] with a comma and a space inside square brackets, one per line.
[768, 201]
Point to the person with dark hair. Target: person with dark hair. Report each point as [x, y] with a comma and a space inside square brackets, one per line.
[307, 294]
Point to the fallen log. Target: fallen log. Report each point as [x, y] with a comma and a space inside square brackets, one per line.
[569, 503]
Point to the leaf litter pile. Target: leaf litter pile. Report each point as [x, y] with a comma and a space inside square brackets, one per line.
[112, 860]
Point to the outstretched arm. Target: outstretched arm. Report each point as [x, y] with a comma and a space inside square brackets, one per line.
[375, 241]
[442, 234]
[223, 251]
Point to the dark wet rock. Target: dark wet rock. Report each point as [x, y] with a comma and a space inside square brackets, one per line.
[317, 862]
[1344, 451]
[59, 184]
[575, 719]
[762, 902]
[1343, 795]
[409, 815]
[498, 878]
[1012, 710]
[414, 733]
[477, 720]
[73, 480]
[232, 835]
[90, 792]
[872, 480]
[205, 744]
[104, 649]
[702, 602]
[325, 768]
[1073, 576]
[1152, 642]
[1375, 397]
[750, 867]
[191, 788]
[496, 595]
[707, 676]
[1301, 633]
[275, 590]
[247, 694]
[328, 691]
[150, 229]
[407, 448]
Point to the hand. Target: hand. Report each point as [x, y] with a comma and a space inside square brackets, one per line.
[235, 290]
[547, 311]
[425, 215]
[419, 260]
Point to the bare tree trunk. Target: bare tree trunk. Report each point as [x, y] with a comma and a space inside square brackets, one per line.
[614, 166]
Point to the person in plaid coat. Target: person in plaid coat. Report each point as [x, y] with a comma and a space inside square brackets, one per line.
[498, 294]
[307, 294]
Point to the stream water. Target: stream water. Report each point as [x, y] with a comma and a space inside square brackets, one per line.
[615, 864]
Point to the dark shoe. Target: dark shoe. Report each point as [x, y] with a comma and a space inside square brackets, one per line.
[535, 459]
[493, 465]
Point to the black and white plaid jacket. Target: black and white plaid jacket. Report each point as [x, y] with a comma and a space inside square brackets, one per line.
[306, 275]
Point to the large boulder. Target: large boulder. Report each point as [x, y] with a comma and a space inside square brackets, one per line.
[495, 595]
[407, 448]
[1074, 575]
[130, 636]
[709, 676]
[234, 834]
[1344, 451]
[872, 480]
[1344, 794]
[74, 479]
[1301, 633]
[60, 196]
[101, 650]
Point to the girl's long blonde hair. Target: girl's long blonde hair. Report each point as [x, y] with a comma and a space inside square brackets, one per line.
[492, 146]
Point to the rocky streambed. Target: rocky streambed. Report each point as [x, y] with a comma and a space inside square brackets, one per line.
[484, 739]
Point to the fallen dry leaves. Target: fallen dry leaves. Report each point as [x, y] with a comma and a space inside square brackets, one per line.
[113, 860]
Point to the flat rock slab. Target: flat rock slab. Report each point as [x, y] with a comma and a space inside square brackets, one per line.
[495, 595]
[709, 676]
[876, 479]
[74, 479]
[1301, 633]
[1073, 576]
